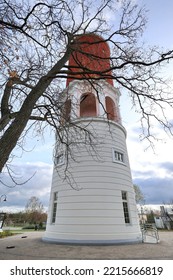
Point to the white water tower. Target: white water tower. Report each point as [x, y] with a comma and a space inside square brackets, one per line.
[92, 197]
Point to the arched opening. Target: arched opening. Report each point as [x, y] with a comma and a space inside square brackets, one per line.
[111, 109]
[88, 105]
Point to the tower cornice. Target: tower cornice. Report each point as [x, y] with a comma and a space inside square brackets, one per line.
[101, 120]
[94, 85]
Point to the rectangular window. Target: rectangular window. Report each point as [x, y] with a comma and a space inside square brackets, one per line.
[55, 196]
[118, 156]
[125, 207]
[54, 208]
[54, 212]
[124, 195]
[59, 160]
[126, 213]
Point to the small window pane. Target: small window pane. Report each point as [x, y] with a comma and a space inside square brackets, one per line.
[124, 195]
[60, 159]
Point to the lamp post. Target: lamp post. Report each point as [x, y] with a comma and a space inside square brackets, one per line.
[3, 197]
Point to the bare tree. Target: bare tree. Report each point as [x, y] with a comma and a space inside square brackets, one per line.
[36, 41]
[34, 211]
[34, 205]
[139, 196]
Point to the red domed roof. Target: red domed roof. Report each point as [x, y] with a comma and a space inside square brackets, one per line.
[93, 53]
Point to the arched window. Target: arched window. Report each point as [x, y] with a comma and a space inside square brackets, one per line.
[111, 109]
[88, 105]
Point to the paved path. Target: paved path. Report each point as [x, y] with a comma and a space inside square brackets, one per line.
[29, 246]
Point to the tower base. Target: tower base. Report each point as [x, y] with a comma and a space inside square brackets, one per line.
[100, 207]
[93, 242]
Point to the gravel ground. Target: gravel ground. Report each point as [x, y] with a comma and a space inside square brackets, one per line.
[29, 246]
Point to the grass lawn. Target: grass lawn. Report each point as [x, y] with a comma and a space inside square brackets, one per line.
[11, 232]
[6, 233]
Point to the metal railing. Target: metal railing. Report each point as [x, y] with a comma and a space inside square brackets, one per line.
[149, 230]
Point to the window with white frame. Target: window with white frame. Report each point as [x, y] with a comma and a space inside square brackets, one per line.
[118, 156]
[59, 158]
[54, 208]
[125, 207]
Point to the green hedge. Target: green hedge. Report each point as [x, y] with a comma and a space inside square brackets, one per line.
[29, 227]
[33, 227]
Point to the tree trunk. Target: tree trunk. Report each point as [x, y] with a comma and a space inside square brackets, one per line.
[9, 139]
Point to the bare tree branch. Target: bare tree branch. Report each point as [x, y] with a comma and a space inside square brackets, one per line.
[37, 40]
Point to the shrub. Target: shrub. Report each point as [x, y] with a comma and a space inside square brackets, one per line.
[5, 233]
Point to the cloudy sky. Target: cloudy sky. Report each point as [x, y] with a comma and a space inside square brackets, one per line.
[151, 170]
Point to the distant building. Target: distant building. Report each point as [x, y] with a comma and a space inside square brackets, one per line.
[166, 213]
[159, 222]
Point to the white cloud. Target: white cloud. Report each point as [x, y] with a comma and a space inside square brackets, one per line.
[38, 185]
[151, 170]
